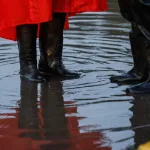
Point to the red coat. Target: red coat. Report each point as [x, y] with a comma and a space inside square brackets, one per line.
[17, 12]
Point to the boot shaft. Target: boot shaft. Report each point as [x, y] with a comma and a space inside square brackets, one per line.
[51, 37]
[26, 35]
[140, 52]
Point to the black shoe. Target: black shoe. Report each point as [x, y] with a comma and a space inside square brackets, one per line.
[26, 35]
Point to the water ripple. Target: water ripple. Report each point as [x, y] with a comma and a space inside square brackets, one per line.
[62, 112]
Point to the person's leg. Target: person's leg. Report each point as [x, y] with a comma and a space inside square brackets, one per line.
[143, 87]
[142, 18]
[139, 71]
[26, 36]
[51, 47]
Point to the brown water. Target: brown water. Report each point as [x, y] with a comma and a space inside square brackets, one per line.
[88, 113]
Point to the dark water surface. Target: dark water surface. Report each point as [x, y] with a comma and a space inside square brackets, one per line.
[88, 113]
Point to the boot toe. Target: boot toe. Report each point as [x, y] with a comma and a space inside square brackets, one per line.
[38, 79]
[137, 89]
[57, 70]
[117, 79]
[128, 90]
[33, 77]
[126, 78]
[71, 74]
[143, 88]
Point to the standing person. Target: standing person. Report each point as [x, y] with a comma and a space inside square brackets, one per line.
[26, 19]
[138, 13]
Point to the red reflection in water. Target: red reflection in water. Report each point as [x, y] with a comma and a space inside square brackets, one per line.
[47, 127]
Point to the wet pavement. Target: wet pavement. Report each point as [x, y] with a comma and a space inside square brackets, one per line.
[88, 113]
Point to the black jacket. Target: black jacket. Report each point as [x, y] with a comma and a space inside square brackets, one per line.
[137, 11]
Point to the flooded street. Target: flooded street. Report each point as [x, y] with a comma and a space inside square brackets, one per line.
[89, 113]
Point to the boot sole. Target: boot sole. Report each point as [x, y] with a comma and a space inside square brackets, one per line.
[57, 75]
[30, 79]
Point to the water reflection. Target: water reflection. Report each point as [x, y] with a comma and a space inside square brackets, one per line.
[141, 119]
[47, 123]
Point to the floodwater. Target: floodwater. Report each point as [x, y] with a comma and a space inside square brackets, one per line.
[88, 113]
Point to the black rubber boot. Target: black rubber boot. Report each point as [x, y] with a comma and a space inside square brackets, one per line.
[139, 72]
[144, 87]
[51, 46]
[26, 35]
